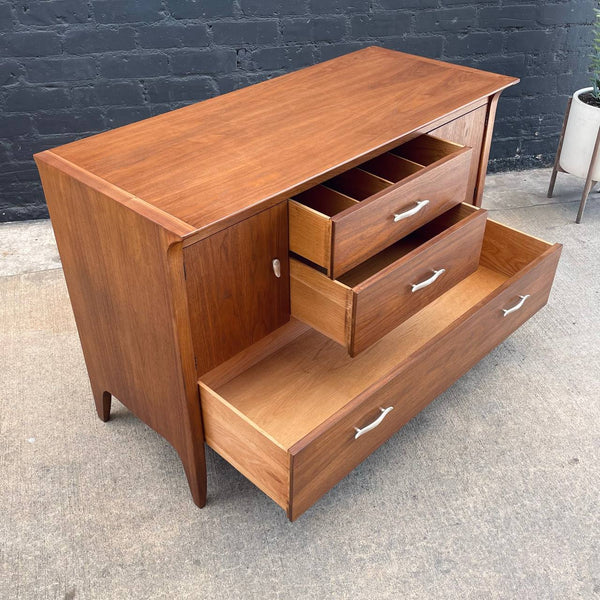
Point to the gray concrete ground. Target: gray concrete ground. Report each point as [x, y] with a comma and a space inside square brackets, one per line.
[491, 492]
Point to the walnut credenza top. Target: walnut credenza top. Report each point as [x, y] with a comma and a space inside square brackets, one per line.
[207, 165]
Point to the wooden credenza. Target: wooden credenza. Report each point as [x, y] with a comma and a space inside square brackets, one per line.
[292, 271]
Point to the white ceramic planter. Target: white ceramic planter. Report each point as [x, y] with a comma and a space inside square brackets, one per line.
[580, 137]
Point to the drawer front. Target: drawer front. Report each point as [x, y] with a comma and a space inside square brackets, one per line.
[372, 299]
[387, 300]
[330, 452]
[369, 227]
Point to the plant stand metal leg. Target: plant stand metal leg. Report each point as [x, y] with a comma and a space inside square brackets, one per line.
[556, 168]
[589, 182]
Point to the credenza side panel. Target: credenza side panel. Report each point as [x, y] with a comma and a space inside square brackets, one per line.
[235, 297]
[124, 275]
[468, 130]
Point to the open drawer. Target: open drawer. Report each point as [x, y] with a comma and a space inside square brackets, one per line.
[349, 218]
[294, 413]
[376, 296]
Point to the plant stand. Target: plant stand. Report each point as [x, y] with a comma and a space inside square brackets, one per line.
[589, 182]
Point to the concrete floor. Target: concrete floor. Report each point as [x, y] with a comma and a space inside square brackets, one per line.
[491, 492]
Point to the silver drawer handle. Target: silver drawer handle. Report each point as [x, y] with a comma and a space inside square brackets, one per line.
[411, 212]
[276, 267]
[507, 311]
[377, 421]
[424, 284]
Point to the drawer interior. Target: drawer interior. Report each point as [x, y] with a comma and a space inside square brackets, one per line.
[358, 184]
[292, 391]
[325, 200]
[355, 185]
[426, 150]
[392, 167]
[287, 387]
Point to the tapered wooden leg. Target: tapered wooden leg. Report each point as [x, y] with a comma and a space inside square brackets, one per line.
[556, 166]
[194, 465]
[103, 401]
[589, 182]
[552, 181]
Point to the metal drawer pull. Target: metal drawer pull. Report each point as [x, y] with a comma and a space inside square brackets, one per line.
[424, 284]
[411, 212]
[277, 267]
[377, 421]
[507, 311]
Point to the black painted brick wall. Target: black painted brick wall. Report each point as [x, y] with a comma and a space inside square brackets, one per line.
[71, 68]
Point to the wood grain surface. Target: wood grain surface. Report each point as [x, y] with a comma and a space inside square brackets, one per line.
[485, 147]
[391, 167]
[125, 278]
[328, 454]
[316, 374]
[357, 183]
[242, 361]
[376, 296]
[363, 230]
[310, 234]
[207, 163]
[234, 297]
[308, 396]
[251, 451]
[386, 299]
[469, 130]
[291, 392]
[322, 303]
[356, 209]
[507, 250]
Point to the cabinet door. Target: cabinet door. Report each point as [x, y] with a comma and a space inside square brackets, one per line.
[235, 296]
